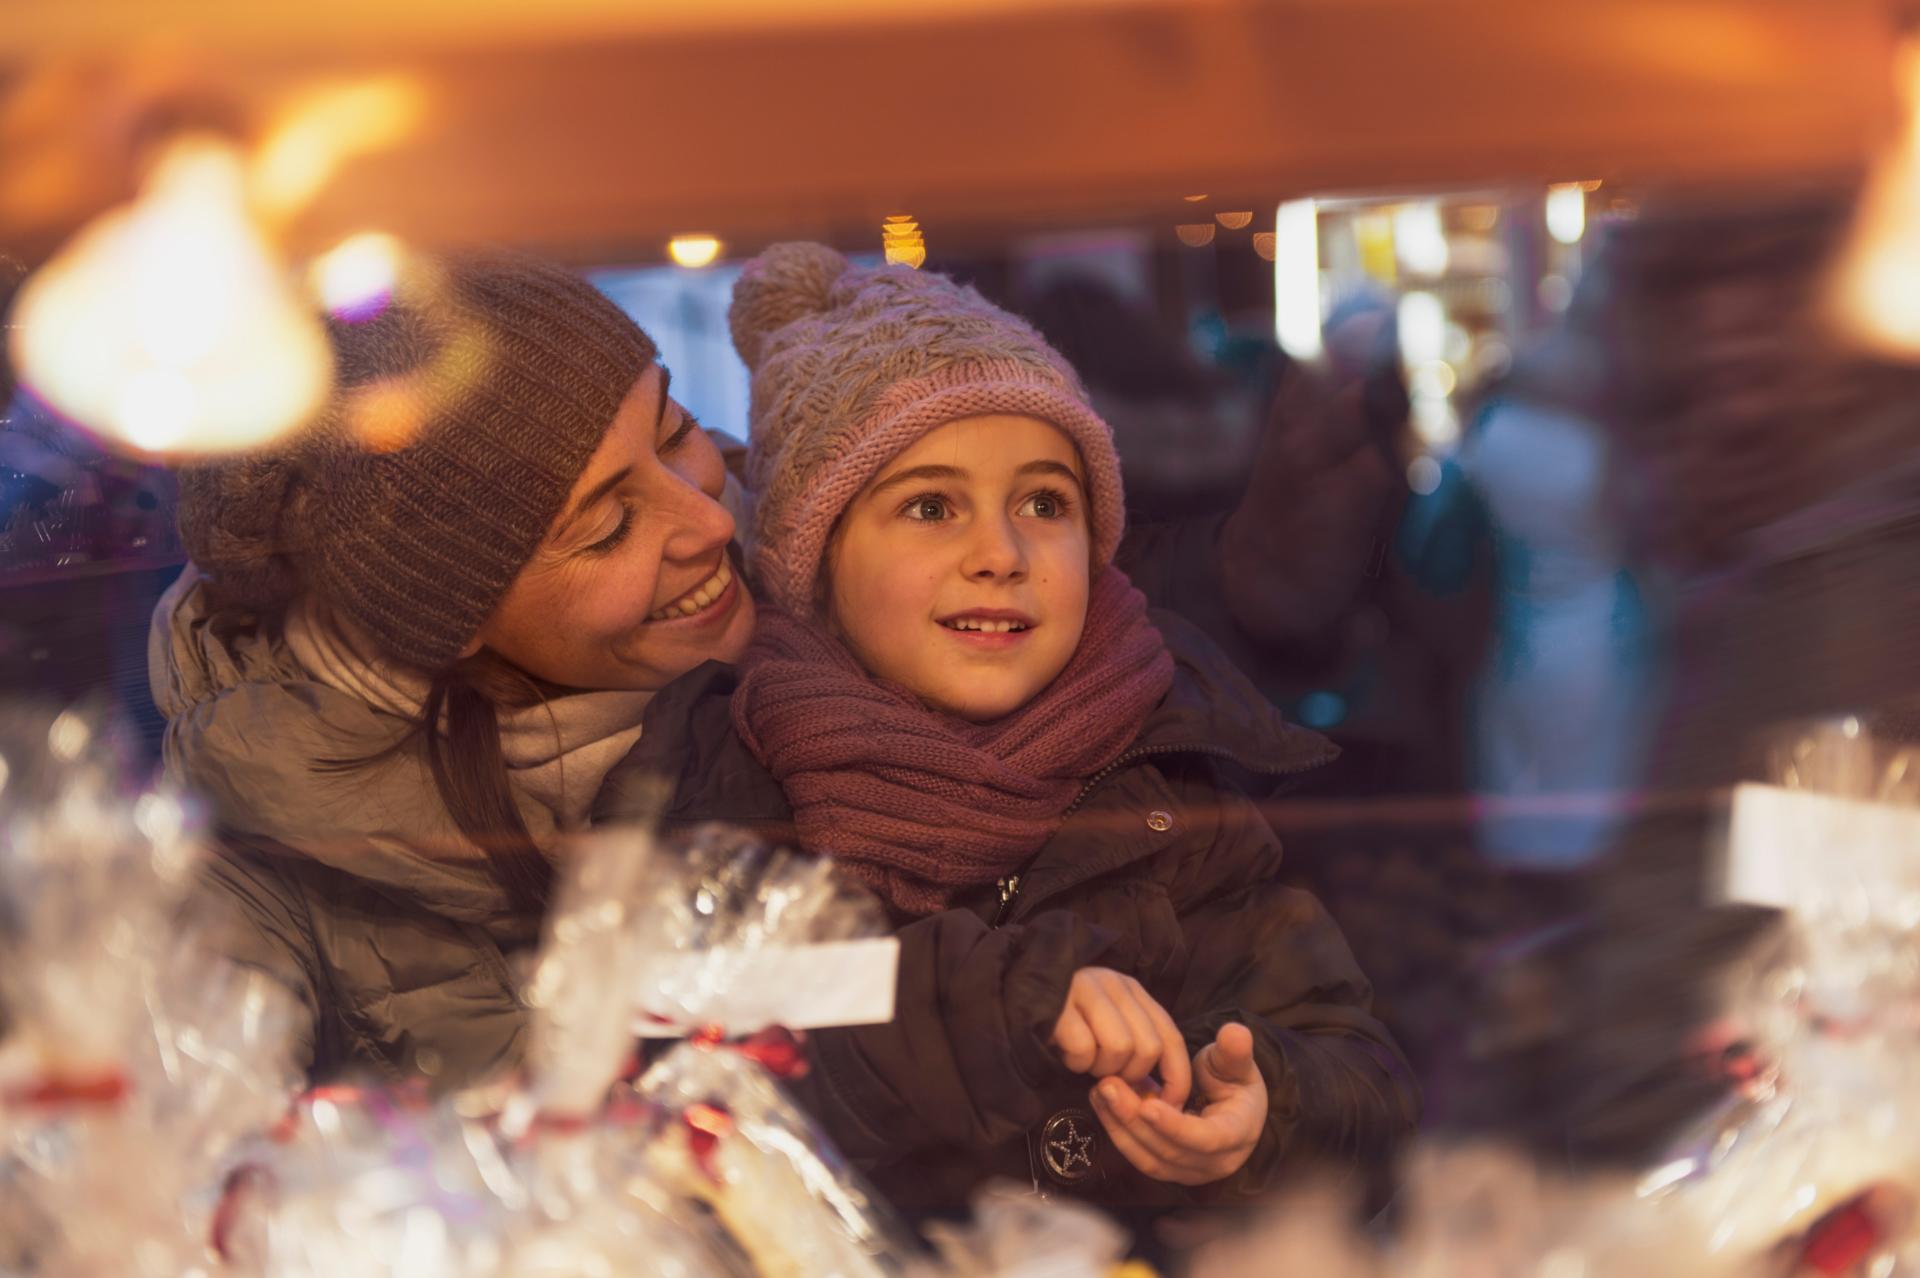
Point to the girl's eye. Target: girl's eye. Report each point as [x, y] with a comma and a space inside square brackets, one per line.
[607, 544]
[1046, 505]
[926, 509]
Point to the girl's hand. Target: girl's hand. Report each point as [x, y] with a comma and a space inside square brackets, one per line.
[1111, 1027]
[1192, 1149]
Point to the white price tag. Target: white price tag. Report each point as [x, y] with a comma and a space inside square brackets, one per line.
[800, 987]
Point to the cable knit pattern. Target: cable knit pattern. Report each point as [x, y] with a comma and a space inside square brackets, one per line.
[498, 375]
[852, 365]
[922, 805]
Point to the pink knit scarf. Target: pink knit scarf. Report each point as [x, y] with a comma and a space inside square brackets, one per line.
[922, 805]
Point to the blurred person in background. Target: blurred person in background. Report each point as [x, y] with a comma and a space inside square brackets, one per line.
[1772, 475]
[1563, 705]
[1186, 431]
[1355, 604]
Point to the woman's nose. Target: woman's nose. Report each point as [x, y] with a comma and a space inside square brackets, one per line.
[701, 525]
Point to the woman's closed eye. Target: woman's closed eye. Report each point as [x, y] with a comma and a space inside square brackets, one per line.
[609, 543]
[686, 427]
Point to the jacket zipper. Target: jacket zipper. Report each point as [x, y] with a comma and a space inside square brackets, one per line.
[1218, 752]
[1010, 886]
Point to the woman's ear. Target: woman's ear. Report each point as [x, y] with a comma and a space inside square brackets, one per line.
[472, 647]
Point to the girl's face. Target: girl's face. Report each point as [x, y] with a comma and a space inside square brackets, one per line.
[961, 571]
[632, 586]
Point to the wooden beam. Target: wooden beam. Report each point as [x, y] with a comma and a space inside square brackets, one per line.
[980, 120]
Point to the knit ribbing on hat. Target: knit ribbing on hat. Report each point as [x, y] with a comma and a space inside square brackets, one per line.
[515, 369]
[851, 366]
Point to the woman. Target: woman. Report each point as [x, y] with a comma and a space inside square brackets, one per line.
[502, 523]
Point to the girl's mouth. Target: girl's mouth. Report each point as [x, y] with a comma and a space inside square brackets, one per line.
[988, 627]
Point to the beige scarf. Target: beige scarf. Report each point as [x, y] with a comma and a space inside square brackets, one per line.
[557, 754]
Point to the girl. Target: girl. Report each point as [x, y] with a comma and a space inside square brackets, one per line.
[955, 694]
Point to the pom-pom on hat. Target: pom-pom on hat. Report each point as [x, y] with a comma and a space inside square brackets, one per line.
[852, 365]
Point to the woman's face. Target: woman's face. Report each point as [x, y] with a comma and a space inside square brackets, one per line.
[632, 586]
[961, 572]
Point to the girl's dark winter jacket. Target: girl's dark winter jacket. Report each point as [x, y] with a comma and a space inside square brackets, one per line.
[1162, 870]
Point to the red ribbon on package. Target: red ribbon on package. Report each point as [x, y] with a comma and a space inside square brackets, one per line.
[706, 1123]
[778, 1050]
[55, 1090]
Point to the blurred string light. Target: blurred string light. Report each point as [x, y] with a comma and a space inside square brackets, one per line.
[1877, 286]
[1195, 234]
[693, 251]
[1264, 244]
[902, 243]
[1423, 475]
[1420, 241]
[323, 130]
[1234, 221]
[1567, 211]
[355, 280]
[1421, 322]
[1296, 278]
[170, 324]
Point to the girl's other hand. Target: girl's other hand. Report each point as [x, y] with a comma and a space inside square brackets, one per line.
[1193, 1149]
[1111, 1027]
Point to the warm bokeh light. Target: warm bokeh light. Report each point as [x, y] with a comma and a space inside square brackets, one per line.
[327, 129]
[1234, 221]
[1419, 239]
[1878, 282]
[1296, 278]
[355, 279]
[902, 243]
[170, 324]
[1195, 234]
[1567, 212]
[1264, 243]
[693, 251]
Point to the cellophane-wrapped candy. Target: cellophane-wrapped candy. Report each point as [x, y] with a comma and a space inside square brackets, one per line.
[663, 933]
[1807, 1164]
[134, 1057]
[703, 1169]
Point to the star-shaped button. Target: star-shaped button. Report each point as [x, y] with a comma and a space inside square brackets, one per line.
[1069, 1150]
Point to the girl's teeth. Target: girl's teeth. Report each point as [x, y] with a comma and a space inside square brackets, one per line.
[986, 627]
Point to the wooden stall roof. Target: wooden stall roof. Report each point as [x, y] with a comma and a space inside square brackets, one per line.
[595, 128]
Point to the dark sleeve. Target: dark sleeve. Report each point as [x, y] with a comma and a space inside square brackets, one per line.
[965, 1061]
[258, 918]
[1341, 1097]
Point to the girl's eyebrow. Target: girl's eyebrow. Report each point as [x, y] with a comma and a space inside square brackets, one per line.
[916, 474]
[1051, 468]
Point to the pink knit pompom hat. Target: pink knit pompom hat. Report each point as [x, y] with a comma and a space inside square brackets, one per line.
[851, 365]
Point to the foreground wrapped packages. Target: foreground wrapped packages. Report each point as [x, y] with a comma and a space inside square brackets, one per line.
[1806, 1164]
[134, 1058]
[703, 1166]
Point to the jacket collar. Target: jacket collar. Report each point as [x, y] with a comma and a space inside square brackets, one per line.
[1214, 709]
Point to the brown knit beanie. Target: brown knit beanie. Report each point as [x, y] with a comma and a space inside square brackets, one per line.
[462, 415]
[852, 365]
